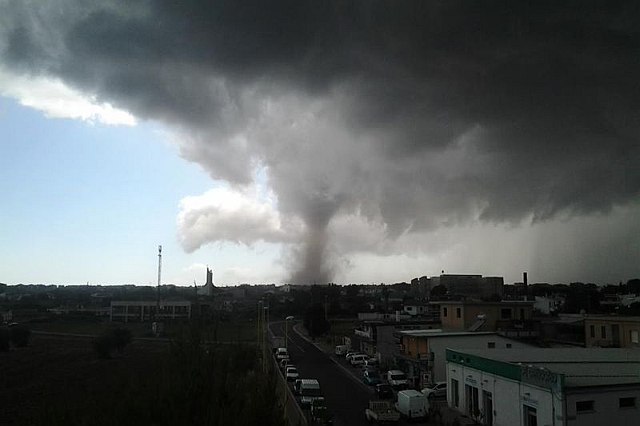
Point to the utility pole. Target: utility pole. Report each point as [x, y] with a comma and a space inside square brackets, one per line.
[158, 288]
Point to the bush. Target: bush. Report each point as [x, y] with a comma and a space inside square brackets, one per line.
[5, 337]
[115, 339]
[20, 336]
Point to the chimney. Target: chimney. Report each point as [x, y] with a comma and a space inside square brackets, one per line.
[524, 278]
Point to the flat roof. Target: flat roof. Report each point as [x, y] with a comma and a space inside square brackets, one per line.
[443, 333]
[612, 318]
[581, 367]
[480, 302]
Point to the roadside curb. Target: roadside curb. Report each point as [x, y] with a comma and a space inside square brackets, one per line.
[346, 370]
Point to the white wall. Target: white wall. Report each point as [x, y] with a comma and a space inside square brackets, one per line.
[438, 346]
[508, 396]
[607, 409]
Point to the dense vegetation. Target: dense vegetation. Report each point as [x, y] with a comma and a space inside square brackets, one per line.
[191, 384]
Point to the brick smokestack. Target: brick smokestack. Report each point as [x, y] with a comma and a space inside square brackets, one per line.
[524, 278]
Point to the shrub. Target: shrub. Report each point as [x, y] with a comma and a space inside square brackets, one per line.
[20, 336]
[114, 339]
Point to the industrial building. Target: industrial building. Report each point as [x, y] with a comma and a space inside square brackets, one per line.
[534, 386]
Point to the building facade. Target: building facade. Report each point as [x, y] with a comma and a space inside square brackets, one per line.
[422, 353]
[486, 316]
[534, 387]
[612, 331]
[135, 310]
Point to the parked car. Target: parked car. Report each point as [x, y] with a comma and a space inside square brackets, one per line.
[341, 350]
[371, 377]
[282, 353]
[309, 390]
[384, 391]
[381, 412]
[284, 363]
[437, 390]
[371, 362]
[320, 412]
[397, 379]
[356, 360]
[291, 374]
[349, 354]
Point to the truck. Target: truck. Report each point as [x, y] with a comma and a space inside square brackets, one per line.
[397, 379]
[381, 411]
[412, 404]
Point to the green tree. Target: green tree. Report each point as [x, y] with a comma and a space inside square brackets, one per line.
[315, 321]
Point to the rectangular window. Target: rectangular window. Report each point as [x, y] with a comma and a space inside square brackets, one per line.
[603, 332]
[454, 392]
[444, 312]
[508, 345]
[584, 406]
[592, 331]
[505, 313]
[530, 416]
[458, 312]
[491, 345]
[521, 314]
[629, 402]
[633, 336]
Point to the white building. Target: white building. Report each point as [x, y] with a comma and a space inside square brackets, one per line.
[423, 352]
[145, 310]
[534, 387]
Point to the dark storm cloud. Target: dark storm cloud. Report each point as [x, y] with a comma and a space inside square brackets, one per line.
[418, 113]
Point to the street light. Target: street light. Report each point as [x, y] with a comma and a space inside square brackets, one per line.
[286, 330]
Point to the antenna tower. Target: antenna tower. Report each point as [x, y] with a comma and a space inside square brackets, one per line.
[159, 272]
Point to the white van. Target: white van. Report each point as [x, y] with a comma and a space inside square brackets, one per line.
[397, 379]
[412, 404]
[358, 360]
[308, 389]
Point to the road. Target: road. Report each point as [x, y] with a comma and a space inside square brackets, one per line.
[345, 396]
[345, 393]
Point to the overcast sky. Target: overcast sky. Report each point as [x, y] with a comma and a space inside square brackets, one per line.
[306, 141]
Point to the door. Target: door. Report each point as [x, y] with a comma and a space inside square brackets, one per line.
[615, 335]
[487, 409]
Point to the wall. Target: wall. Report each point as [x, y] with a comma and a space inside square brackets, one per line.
[439, 345]
[508, 396]
[625, 327]
[607, 409]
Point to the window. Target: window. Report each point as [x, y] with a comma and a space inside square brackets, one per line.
[454, 392]
[530, 416]
[603, 332]
[584, 406]
[491, 345]
[505, 313]
[458, 312]
[444, 312]
[633, 336]
[521, 314]
[508, 345]
[592, 331]
[629, 402]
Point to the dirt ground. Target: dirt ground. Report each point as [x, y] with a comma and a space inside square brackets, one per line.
[54, 370]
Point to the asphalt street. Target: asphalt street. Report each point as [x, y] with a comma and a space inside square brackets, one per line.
[345, 396]
[345, 393]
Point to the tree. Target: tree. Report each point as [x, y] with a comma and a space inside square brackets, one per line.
[438, 291]
[115, 339]
[5, 338]
[315, 321]
[633, 286]
[20, 336]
